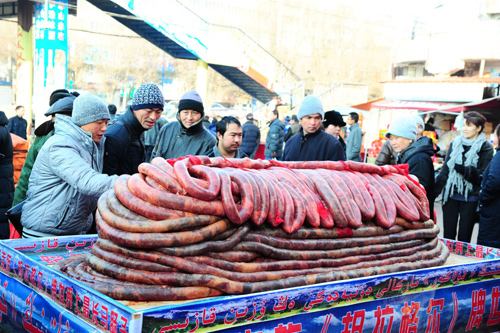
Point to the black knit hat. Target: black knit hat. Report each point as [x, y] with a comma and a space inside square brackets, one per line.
[333, 118]
[147, 96]
[191, 101]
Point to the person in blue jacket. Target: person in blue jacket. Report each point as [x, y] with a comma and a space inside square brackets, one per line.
[67, 180]
[312, 143]
[17, 124]
[489, 201]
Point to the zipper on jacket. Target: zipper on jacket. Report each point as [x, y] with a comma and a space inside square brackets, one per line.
[64, 217]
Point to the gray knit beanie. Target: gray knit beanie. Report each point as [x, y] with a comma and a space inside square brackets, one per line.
[311, 105]
[419, 121]
[191, 101]
[147, 96]
[87, 108]
[404, 127]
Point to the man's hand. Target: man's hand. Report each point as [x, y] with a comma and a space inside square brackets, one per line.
[273, 154]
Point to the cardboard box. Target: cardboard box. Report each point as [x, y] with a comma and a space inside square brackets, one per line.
[445, 125]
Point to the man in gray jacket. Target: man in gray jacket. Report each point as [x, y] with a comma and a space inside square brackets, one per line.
[67, 178]
[354, 139]
[187, 136]
[275, 137]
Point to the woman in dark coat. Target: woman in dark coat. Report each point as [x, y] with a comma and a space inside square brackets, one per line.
[460, 177]
[489, 201]
[417, 153]
[6, 175]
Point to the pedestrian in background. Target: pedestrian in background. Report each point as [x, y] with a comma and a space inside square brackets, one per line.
[112, 111]
[251, 137]
[460, 177]
[17, 124]
[489, 200]
[333, 124]
[354, 139]
[275, 137]
[294, 127]
[6, 175]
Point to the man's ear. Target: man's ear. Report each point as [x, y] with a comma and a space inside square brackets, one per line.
[219, 136]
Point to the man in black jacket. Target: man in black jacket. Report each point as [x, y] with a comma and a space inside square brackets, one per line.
[124, 145]
[251, 137]
[17, 124]
[312, 143]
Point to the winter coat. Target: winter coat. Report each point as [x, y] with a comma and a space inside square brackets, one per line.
[251, 138]
[43, 133]
[489, 205]
[418, 156]
[353, 144]
[317, 146]
[124, 146]
[175, 141]
[387, 155]
[151, 135]
[65, 183]
[6, 175]
[17, 126]
[472, 175]
[294, 129]
[274, 140]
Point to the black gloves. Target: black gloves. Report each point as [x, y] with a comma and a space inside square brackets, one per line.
[469, 173]
[460, 169]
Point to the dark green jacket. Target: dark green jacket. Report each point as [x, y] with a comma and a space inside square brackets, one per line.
[22, 183]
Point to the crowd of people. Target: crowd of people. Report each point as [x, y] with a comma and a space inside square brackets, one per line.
[78, 154]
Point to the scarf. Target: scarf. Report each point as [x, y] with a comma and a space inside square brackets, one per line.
[455, 180]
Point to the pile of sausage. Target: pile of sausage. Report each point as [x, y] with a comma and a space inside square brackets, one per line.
[199, 227]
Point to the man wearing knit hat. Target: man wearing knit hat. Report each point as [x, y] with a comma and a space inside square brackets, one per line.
[125, 146]
[67, 180]
[187, 136]
[312, 143]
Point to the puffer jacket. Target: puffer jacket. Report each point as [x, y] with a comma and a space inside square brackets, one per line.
[65, 183]
[251, 138]
[489, 205]
[275, 138]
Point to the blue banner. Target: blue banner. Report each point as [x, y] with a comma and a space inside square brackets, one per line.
[461, 297]
[51, 44]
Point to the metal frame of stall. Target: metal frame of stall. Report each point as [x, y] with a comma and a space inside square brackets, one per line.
[450, 298]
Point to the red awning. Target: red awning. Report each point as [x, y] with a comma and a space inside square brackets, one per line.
[413, 105]
[490, 103]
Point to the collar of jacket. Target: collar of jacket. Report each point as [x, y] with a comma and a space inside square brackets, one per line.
[353, 126]
[131, 121]
[64, 125]
[194, 129]
[308, 135]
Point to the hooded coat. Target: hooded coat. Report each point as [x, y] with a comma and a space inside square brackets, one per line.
[489, 205]
[418, 156]
[275, 138]
[175, 140]
[6, 175]
[65, 183]
[124, 145]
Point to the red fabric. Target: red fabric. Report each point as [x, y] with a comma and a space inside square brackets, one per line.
[13, 232]
[260, 152]
[345, 232]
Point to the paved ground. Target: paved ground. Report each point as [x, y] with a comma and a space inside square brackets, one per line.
[439, 213]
